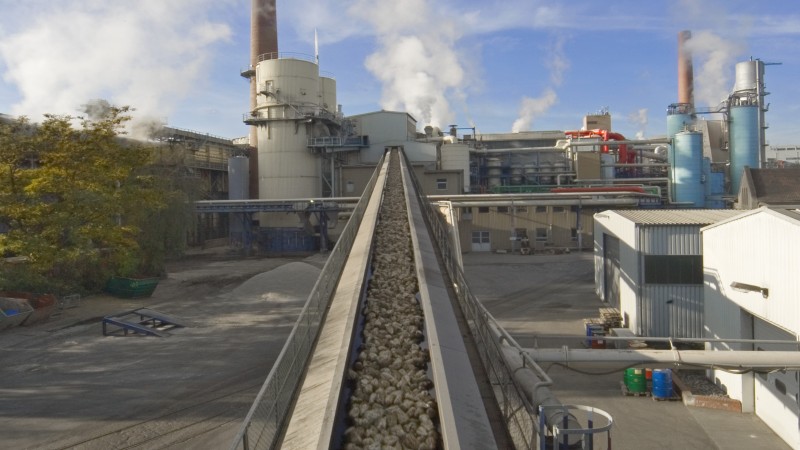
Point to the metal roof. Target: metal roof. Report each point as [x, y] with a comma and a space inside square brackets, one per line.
[677, 216]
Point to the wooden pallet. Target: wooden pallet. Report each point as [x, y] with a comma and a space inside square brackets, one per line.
[628, 393]
[674, 398]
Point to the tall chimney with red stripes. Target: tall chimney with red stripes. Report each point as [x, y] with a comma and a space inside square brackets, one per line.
[263, 41]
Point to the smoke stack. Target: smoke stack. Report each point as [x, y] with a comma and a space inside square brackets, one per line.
[263, 40]
[685, 71]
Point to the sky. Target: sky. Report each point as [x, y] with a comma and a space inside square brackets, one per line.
[496, 65]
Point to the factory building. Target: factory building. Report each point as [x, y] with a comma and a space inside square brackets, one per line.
[750, 268]
[648, 264]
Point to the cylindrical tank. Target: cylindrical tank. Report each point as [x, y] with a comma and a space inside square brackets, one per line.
[546, 169]
[328, 90]
[517, 174]
[715, 186]
[747, 75]
[531, 171]
[607, 161]
[495, 171]
[744, 142]
[238, 181]
[686, 169]
[286, 168]
[677, 123]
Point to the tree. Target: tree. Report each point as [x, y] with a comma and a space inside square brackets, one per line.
[80, 213]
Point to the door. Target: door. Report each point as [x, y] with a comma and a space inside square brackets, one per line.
[611, 269]
[777, 392]
[481, 241]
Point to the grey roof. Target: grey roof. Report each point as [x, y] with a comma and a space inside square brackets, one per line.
[776, 186]
[677, 216]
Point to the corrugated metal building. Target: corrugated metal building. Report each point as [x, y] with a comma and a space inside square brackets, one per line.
[648, 263]
[751, 268]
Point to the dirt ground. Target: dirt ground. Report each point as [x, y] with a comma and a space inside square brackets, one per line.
[66, 385]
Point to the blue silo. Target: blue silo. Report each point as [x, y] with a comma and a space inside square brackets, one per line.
[744, 142]
[686, 169]
[714, 186]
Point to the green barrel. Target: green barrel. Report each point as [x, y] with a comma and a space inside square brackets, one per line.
[635, 380]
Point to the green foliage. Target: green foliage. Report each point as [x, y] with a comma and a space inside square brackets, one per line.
[82, 204]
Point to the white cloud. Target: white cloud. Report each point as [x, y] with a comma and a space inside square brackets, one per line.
[148, 54]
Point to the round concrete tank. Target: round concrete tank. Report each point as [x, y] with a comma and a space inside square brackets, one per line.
[238, 178]
[494, 171]
[744, 142]
[286, 169]
[328, 91]
[686, 169]
[531, 174]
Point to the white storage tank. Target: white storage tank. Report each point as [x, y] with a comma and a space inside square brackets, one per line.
[328, 93]
[286, 169]
[494, 171]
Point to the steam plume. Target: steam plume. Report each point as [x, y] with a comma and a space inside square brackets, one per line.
[416, 60]
[532, 108]
[717, 57]
[639, 118]
[147, 54]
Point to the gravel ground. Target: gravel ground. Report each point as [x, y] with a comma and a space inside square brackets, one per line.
[700, 385]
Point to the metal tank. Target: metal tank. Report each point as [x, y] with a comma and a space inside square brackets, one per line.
[495, 171]
[327, 88]
[714, 186]
[686, 169]
[531, 174]
[286, 168]
[748, 74]
[517, 174]
[744, 142]
[238, 181]
[678, 122]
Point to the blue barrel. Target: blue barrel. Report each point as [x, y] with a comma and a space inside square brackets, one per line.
[662, 383]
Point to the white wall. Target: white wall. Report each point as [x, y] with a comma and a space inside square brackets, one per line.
[608, 222]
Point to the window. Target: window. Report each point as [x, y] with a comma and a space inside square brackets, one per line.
[441, 184]
[466, 213]
[673, 269]
[558, 209]
[483, 209]
[521, 209]
[502, 209]
[541, 209]
[574, 234]
[541, 234]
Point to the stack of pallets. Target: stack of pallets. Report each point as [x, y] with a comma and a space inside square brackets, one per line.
[611, 318]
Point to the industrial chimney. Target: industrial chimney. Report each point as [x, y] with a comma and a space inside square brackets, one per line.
[263, 41]
[685, 71]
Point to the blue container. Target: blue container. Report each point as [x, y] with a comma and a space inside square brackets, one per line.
[686, 169]
[662, 383]
[744, 141]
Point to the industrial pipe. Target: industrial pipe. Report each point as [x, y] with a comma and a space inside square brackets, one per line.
[730, 360]
[566, 202]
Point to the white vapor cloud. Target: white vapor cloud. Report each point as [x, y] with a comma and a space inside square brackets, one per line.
[714, 74]
[148, 54]
[531, 108]
[416, 60]
[639, 118]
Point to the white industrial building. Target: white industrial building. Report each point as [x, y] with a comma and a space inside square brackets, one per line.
[751, 267]
[648, 264]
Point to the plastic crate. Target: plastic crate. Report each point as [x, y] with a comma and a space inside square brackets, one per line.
[13, 311]
[131, 287]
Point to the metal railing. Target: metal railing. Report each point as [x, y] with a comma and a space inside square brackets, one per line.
[518, 413]
[264, 423]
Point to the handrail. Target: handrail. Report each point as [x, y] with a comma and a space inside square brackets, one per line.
[267, 416]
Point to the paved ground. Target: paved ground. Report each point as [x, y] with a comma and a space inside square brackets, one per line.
[551, 294]
[65, 385]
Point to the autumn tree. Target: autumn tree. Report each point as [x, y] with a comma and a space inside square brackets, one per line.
[81, 211]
